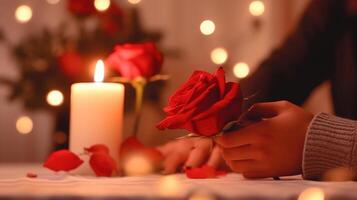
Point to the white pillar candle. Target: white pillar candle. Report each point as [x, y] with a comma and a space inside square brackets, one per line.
[96, 116]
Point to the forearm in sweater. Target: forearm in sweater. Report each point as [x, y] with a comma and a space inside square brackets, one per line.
[331, 142]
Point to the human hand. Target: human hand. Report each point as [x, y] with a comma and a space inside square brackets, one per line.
[273, 146]
[189, 152]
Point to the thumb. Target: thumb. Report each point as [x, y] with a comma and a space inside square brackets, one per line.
[265, 110]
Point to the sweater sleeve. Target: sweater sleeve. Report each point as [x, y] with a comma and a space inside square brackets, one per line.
[330, 142]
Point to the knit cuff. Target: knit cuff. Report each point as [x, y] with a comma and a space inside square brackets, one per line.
[330, 143]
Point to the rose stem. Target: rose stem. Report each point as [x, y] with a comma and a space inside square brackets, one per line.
[139, 86]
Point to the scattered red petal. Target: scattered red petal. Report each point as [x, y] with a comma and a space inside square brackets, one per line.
[221, 173]
[97, 148]
[133, 146]
[203, 172]
[102, 164]
[130, 145]
[31, 175]
[153, 154]
[62, 160]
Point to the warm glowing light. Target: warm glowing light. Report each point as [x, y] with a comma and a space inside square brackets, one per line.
[201, 195]
[55, 98]
[137, 165]
[256, 8]
[53, 2]
[170, 186]
[24, 125]
[241, 70]
[339, 174]
[23, 13]
[312, 194]
[134, 1]
[219, 56]
[99, 71]
[101, 5]
[207, 27]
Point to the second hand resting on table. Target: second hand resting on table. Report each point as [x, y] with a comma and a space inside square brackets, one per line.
[272, 146]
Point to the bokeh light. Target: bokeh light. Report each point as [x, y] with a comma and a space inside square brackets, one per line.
[23, 13]
[24, 125]
[134, 1]
[339, 174]
[170, 186]
[53, 2]
[207, 27]
[256, 8]
[202, 195]
[219, 55]
[55, 98]
[241, 70]
[137, 165]
[312, 193]
[101, 5]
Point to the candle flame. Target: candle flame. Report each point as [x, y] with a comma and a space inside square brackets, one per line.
[99, 71]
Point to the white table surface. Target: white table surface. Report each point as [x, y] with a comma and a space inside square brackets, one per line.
[15, 185]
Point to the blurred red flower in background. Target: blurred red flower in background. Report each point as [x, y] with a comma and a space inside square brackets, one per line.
[81, 7]
[111, 20]
[71, 63]
[136, 60]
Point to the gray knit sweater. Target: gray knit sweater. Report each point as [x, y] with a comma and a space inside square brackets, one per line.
[330, 142]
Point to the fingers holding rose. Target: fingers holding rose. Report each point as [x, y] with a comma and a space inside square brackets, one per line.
[273, 145]
[199, 153]
[247, 158]
[247, 152]
[175, 157]
[189, 152]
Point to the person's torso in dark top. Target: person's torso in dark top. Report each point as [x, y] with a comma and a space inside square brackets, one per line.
[322, 47]
[344, 68]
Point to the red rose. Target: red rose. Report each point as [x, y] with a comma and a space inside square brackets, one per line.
[71, 63]
[135, 60]
[204, 104]
[81, 7]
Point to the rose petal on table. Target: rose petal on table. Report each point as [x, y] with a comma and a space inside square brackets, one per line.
[102, 164]
[129, 145]
[153, 155]
[204, 172]
[133, 147]
[221, 173]
[97, 148]
[31, 175]
[62, 160]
